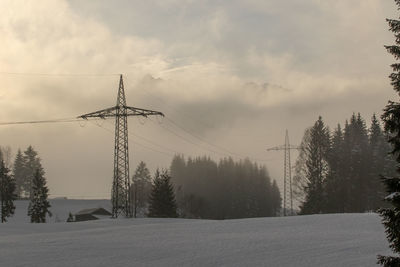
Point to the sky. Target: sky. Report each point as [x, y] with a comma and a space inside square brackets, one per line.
[230, 77]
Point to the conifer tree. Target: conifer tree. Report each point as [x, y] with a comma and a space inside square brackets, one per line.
[162, 198]
[7, 193]
[391, 118]
[276, 199]
[358, 163]
[336, 183]
[177, 170]
[19, 173]
[141, 185]
[300, 180]
[6, 156]
[39, 205]
[379, 149]
[32, 165]
[316, 168]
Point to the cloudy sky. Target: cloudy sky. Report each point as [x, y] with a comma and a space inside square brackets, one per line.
[230, 77]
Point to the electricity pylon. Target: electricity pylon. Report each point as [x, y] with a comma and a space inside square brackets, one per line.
[287, 174]
[120, 194]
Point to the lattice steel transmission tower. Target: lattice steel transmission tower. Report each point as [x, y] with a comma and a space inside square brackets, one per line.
[287, 174]
[120, 194]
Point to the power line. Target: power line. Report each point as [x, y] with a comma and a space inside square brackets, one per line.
[136, 143]
[57, 74]
[202, 139]
[67, 120]
[188, 140]
[151, 142]
[217, 147]
[41, 121]
[225, 151]
[172, 108]
[168, 149]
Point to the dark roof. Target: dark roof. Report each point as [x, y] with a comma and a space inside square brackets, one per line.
[85, 217]
[95, 211]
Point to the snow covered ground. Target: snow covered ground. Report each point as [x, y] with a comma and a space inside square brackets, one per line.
[317, 240]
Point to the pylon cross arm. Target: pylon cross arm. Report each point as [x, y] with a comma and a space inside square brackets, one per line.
[283, 147]
[132, 111]
[276, 148]
[104, 113]
[127, 111]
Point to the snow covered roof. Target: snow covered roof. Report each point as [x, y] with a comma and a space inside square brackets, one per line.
[94, 211]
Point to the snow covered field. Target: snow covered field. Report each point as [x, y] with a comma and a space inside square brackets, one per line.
[317, 240]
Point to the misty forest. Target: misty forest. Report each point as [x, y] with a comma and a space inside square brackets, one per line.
[184, 133]
[336, 171]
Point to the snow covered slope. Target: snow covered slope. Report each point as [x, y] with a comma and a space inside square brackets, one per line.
[317, 240]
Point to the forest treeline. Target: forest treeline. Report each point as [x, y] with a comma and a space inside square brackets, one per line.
[225, 190]
[339, 171]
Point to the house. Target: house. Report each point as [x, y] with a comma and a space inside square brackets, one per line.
[91, 214]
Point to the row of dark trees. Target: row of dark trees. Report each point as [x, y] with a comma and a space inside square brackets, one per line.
[339, 171]
[32, 181]
[224, 190]
[202, 188]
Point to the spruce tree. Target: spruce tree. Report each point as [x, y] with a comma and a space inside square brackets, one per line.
[7, 193]
[6, 156]
[300, 181]
[141, 185]
[39, 205]
[337, 185]
[379, 149]
[162, 198]
[391, 118]
[276, 199]
[32, 165]
[316, 168]
[358, 168]
[19, 173]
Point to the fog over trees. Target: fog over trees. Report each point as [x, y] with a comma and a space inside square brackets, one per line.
[223, 190]
[25, 166]
[140, 189]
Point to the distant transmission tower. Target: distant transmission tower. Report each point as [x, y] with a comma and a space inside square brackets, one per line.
[287, 175]
[120, 195]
